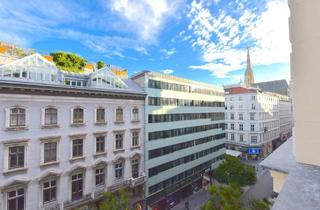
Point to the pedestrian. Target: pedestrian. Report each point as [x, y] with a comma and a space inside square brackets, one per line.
[186, 204]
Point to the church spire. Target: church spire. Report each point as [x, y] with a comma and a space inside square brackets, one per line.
[248, 75]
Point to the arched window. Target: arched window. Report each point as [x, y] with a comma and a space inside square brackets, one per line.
[50, 116]
[78, 116]
[135, 166]
[119, 168]
[135, 114]
[17, 117]
[119, 114]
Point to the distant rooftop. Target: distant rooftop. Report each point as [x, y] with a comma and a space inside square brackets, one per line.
[302, 187]
[276, 86]
[36, 69]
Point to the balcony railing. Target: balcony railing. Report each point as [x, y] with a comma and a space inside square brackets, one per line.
[74, 203]
[137, 181]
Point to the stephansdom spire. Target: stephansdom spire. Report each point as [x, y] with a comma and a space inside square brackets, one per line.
[248, 75]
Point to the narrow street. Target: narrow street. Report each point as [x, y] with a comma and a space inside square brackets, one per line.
[195, 201]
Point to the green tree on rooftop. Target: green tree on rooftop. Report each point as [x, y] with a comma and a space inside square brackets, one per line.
[101, 64]
[69, 61]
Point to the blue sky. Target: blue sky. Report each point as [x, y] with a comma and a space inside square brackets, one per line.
[203, 40]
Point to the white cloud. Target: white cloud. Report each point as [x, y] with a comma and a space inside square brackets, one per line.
[223, 37]
[167, 71]
[145, 17]
[167, 53]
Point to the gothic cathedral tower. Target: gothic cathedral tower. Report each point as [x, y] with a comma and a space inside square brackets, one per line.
[248, 75]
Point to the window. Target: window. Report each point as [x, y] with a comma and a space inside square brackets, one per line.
[100, 177]
[251, 116]
[119, 141]
[16, 199]
[17, 117]
[135, 167]
[240, 116]
[100, 144]
[78, 116]
[77, 148]
[232, 126]
[232, 116]
[253, 98]
[49, 191]
[254, 139]
[241, 127]
[135, 138]
[119, 115]
[119, 169]
[50, 152]
[16, 157]
[252, 127]
[241, 137]
[232, 136]
[253, 106]
[50, 116]
[231, 107]
[135, 114]
[100, 115]
[77, 186]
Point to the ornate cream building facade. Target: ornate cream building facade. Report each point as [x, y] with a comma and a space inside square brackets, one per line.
[67, 138]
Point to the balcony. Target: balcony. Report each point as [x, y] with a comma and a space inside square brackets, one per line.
[71, 204]
[52, 206]
[137, 181]
[119, 184]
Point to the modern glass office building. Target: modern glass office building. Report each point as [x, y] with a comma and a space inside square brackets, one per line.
[184, 136]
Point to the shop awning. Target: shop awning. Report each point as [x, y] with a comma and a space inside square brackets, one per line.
[233, 153]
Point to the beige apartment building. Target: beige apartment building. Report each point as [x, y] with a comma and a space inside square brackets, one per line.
[295, 166]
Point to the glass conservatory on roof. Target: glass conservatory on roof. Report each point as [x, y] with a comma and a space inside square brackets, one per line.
[31, 68]
[106, 78]
[35, 68]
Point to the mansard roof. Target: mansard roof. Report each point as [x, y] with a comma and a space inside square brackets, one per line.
[36, 69]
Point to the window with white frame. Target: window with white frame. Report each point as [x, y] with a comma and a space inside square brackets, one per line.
[49, 191]
[77, 185]
[253, 106]
[232, 136]
[119, 114]
[119, 140]
[17, 117]
[135, 167]
[252, 127]
[78, 116]
[135, 138]
[100, 115]
[77, 148]
[240, 116]
[241, 127]
[135, 114]
[16, 157]
[16, 199]
[119, 166]
[50, 116]
[100, 144]
[232, 116]
[50, 150]
[254, 139]
[232, 126]
[241, 137]
[100, 176]
[252, 116]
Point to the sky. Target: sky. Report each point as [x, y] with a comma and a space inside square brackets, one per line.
[204, 40]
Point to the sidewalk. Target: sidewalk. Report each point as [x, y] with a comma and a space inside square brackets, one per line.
[195, 201]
